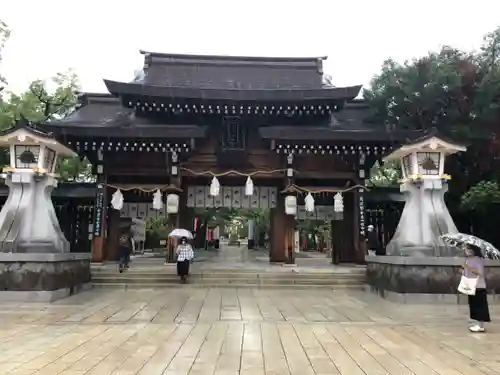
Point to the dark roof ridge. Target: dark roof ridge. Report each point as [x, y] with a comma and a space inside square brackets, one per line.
[232, 58]
[85, 98]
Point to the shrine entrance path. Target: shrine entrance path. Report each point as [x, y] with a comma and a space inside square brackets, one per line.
[241, 331]
[236, 257]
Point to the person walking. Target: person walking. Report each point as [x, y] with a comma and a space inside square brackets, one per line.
[473, 267]
[185, 255]
[124, 248]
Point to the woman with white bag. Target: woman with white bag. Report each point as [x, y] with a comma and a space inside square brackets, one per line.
[473, 273]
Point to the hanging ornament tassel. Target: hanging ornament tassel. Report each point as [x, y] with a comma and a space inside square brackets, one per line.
[338, 203]
[249, 187]
[309, 202]
[214, 187]
[117, 200]
[157, 200]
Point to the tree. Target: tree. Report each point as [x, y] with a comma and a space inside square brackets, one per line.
[4, 36]
[387, 174]
[454, 91]
[37, 105]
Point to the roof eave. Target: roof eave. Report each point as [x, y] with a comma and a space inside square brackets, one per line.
[338, 93]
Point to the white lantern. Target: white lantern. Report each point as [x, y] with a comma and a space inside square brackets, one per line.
[214, 187]
[309, 203]
[157, 200]
[424, 159]
[117, 200]
[291, 205]
[249, 187]
[172, 203]
[338, 203]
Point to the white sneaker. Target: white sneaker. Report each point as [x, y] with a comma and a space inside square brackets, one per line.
[476, 328]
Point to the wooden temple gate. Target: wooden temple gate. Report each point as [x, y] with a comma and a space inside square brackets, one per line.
[189, 118]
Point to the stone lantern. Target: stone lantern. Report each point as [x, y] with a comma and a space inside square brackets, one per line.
[35, 254]
[425, 216]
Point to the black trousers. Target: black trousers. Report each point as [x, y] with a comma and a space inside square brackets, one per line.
[124, 255]
[183, 268]
[478, 306]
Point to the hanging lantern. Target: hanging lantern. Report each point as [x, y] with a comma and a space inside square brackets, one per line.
[157, 200]
[172, 203]
[291, 205]
[249, 187]
[214, 187]
[309, 202]
[117, 200]
[338, 203]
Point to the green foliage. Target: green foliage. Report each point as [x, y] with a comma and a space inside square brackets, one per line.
[385, 175]
[157, 227]
[454, 91]
[224, 217]
[38, 104]
[314, 227]
[481, 196]
[42, 102]
[75, 170]
[4, 36]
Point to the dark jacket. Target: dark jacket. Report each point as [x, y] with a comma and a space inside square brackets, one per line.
[374, 243]
[125, 240]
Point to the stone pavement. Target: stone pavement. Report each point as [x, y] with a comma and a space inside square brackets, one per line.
[241, 331]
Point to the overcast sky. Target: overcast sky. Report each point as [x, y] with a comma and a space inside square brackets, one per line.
[102, 38]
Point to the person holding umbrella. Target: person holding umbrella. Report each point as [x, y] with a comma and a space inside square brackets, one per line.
[476, 250]
[185, 255]
[473, 267]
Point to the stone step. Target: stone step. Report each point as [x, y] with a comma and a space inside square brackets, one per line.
[216, 275]
[128, 279]
[258, 286]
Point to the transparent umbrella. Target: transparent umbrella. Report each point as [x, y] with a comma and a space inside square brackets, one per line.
[181, 233]
[457, 239]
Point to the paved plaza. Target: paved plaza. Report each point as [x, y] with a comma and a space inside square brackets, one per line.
[241, 331]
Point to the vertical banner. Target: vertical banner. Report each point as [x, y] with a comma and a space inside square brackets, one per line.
[361, 197]
[361, 202]
[99, 211]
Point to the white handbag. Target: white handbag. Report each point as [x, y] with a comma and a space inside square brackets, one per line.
[467, 285]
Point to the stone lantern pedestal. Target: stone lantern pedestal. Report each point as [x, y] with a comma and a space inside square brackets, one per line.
[35, 259]
[419, 266]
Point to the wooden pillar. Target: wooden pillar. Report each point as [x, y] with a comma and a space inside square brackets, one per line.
[113, 235]
[277, 249]
[343, 232]
[173, 219]
[100, 214]
[290, 238]
[289, 220]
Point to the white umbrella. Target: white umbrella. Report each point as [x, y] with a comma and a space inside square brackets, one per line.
[457, 239]
[181, 233]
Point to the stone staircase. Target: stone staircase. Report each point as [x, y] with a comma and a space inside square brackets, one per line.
[279, 277]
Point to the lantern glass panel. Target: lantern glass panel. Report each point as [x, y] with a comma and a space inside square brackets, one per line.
[407, 167]
[50, 158]
[428, 163]
[27, 156]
